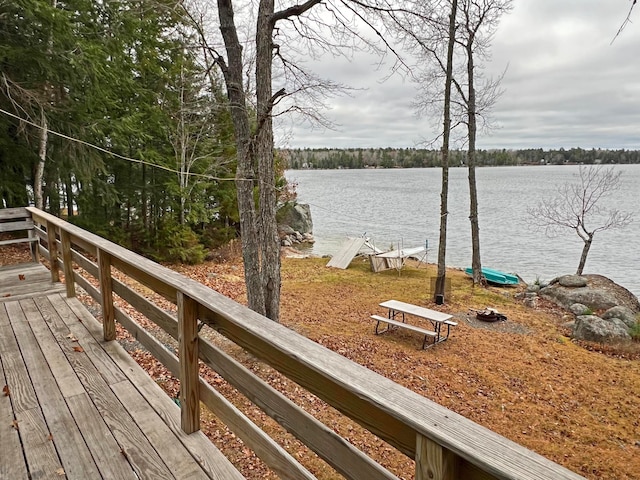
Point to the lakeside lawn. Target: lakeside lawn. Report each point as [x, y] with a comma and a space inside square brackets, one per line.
[523, 378]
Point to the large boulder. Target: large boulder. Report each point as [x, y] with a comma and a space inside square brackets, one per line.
[578, 308]
[596, 329]
[625, 314]
[297, 216]
[572, 281]
[599, 294]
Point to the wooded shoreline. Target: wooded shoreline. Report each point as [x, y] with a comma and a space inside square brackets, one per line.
[330, 158]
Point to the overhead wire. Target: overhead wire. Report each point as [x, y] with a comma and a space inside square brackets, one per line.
[379, 228]
[117, 155]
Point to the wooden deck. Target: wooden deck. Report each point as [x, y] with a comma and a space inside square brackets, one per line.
[25, 280]
[75, 406]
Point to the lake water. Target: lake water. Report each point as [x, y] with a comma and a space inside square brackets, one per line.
[401, 207]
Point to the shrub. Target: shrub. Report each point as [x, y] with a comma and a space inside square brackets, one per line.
[635, 330]
[176, 243]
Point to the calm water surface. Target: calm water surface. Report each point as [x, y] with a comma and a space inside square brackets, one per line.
[401, 207]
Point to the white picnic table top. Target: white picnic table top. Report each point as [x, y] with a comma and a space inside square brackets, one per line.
[427, 313]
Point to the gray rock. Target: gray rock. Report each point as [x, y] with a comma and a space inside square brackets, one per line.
[623, 313]
[595, 329]
[565, 297]
[297, 216]
[619, 323]
[572, 281]
[600, 294]
[285, 230]
[533, 288]
[286, 242]
[578, 308]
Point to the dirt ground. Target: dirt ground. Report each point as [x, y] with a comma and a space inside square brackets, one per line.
[576, 404]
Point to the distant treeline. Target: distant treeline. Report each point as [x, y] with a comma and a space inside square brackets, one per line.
[412, 157]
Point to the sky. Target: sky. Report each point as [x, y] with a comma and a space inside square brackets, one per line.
[566, 85]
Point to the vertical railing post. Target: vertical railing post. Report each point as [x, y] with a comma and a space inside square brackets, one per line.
[106, 295]
[188, 353]
[69, 280]
[433, 461]
[33, 244]
[53, 252]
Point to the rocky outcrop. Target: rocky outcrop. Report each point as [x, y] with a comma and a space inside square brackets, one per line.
[604, 310]
[297, 216]
[596, 329]
[598, 293]
[572, 281]
[625, 314]
[295, 225]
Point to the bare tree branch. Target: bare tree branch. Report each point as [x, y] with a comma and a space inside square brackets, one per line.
[578, 207]
[626, 21]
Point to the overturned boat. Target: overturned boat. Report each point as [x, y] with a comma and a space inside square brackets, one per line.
[496, 277]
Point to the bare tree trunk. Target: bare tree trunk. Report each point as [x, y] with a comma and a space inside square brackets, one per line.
[51, 192]
[42, 157]
[446, 134]
[68, 187]
[44, 136]
[585, 252]
[476, 265]
[269, 243]
[245, 172]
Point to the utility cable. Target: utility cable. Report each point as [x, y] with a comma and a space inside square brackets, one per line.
[117, 155]
[382, 230]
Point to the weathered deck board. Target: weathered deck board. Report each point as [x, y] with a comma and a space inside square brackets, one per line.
[12, 464]
[25, 280]
[209, 457]
[65, 434]
[81, 414]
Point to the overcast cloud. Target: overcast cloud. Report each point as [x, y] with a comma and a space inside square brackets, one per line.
[566, 85]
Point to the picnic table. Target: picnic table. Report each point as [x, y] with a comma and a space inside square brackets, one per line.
[437, 319]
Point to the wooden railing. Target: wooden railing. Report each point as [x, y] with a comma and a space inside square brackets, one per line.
[18, 220]
[444, 445]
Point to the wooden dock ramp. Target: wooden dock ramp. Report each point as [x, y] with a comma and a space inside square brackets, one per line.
[348, 251]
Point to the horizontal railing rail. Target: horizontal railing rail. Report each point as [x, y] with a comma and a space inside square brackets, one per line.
[18, 220]
[443, 444]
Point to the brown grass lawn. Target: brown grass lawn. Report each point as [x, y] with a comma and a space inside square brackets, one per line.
[524, 378]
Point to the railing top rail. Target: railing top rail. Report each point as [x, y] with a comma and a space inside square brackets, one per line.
[390, 410]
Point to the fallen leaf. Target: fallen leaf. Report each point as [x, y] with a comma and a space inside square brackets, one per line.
[60, 472]
[7, 295]
[5, 390]
[14, 424]
[21, 276]
[50, 437]
[78, 349]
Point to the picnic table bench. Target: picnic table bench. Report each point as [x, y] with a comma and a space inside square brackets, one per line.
[401, 309]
